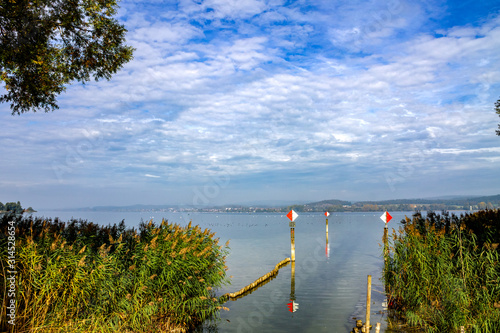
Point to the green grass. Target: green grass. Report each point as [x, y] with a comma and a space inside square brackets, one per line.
[81, 277]
[442, 272]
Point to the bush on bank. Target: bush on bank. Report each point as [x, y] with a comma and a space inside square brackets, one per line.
[83, 277]
[442, 271]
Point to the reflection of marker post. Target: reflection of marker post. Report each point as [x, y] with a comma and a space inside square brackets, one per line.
[327, 214]
[292, 285]
[368, 301]
[327, 249]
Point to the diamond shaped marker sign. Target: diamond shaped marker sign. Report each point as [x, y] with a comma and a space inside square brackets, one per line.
[292, 215]
[386, 217]
[327, 214]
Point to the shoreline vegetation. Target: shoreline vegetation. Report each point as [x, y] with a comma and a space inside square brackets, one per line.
[442, 272]
[83, 277]
[15, 207]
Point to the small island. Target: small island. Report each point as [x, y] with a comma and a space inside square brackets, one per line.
[15, 207]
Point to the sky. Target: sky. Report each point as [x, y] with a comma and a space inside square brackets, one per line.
[253, 101]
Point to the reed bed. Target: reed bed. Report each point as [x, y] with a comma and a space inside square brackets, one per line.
[442, 272]
[82, 277]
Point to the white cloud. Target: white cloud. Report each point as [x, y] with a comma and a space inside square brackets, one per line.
[235, 8]
[164, 32]
[151, 176]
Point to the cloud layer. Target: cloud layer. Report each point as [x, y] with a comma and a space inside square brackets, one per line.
[251, 100]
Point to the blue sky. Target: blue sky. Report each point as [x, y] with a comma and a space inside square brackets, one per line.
[234, 101]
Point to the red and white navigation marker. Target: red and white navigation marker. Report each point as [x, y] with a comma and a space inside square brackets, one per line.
[386, 217]
[292, 215]
[292, 306]
[327, 214]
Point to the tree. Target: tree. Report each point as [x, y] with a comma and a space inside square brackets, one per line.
[497, 108]
[14, 207]
[46, 44]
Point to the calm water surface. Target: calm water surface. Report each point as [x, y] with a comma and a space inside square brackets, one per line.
[330, 278]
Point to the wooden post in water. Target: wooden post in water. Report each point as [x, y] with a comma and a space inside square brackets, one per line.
[377, 328]
[292, 215]
[368, 303]
[385, 241]
[327, 230]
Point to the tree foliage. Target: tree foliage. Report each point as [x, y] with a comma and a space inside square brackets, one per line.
[12, 207]
[46, 44]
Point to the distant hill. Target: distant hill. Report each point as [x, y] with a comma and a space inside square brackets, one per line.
[451, 203]
[333, 202]
[494, 199]
[332, 205]
[325, 205]
[131, 208]
[462, 200]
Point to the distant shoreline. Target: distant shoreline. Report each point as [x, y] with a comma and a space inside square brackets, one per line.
[398, 205]
[25, 211]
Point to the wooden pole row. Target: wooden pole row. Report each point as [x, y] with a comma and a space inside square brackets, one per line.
[260, 280]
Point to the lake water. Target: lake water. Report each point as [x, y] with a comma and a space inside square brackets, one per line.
[330, 278]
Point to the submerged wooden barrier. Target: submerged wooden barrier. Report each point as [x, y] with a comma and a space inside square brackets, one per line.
[260, 281]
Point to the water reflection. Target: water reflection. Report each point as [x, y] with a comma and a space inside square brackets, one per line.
[327, 247]
[328, 278]
[329, 274]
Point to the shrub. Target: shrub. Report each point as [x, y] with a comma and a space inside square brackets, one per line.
[82, 277]
[442, 272]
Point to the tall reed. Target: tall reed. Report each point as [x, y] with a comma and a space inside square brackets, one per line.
[82, 277]
[442, 272]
